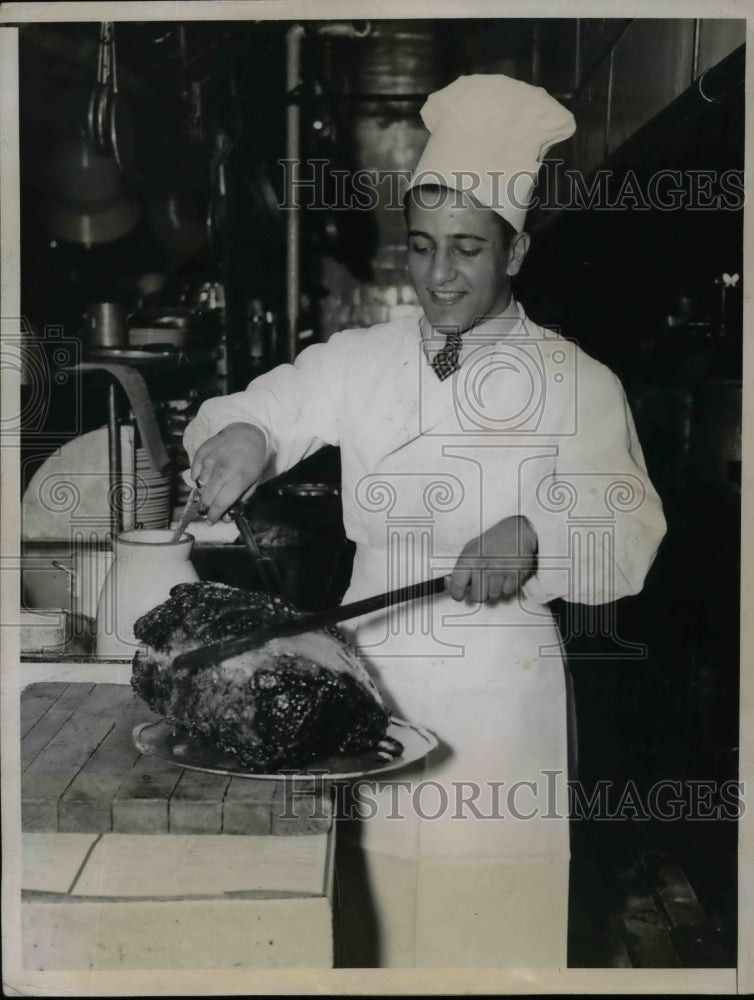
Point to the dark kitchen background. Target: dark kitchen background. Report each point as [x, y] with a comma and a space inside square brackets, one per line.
[188, 237]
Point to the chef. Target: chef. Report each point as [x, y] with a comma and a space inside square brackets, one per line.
[481, 447]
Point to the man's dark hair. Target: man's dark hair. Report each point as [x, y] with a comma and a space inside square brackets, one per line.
[506, 229]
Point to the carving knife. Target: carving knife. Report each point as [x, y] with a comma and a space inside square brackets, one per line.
[225, 648]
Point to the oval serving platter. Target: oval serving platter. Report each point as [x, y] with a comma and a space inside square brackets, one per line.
[171, 744]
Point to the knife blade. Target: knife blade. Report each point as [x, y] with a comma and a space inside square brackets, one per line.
[225, 648]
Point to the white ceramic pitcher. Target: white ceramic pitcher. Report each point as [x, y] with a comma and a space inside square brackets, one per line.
[146, 565]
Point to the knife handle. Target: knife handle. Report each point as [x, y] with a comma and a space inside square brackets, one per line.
[357, 608]
[188, 512]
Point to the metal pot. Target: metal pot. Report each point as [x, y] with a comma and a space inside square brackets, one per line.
[150, 336]
[167, 317]
[178, 326]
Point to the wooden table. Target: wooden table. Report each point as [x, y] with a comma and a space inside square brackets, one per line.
[243, 877]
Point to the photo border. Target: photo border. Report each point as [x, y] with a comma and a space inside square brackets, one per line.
[338, 981]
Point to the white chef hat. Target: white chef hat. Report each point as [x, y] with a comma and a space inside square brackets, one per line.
[488, 135]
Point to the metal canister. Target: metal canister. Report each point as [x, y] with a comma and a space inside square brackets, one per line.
[107, 324]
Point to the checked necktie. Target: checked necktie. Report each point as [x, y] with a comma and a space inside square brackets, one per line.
[445, 362]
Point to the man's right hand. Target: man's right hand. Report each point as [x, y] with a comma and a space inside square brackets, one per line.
[227, 466]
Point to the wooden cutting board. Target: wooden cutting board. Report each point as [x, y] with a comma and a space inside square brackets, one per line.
[82, 774]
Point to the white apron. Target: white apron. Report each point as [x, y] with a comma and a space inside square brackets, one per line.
[475, 870]
[468, 865]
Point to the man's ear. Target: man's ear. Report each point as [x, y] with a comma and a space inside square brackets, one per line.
[517, 251]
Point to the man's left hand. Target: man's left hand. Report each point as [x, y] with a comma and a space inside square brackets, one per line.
[497, 563]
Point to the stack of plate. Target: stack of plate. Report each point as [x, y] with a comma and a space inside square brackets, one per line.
[152, 494]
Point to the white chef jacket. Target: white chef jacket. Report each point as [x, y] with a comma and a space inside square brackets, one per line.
[532, 425]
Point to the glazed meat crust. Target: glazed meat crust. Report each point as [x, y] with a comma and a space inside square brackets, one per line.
[283, 705]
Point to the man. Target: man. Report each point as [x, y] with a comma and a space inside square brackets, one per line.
[478, 446]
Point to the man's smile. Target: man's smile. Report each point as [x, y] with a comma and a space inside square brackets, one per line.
[446, 298]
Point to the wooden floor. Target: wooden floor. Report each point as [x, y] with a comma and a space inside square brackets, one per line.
[633, 905]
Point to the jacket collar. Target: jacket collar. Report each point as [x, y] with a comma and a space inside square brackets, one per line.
[422, 401]
[509, 324]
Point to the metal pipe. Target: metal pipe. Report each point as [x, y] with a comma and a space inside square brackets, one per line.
[695, 49]
[609, 103]
[293, 40]
[115, 467]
